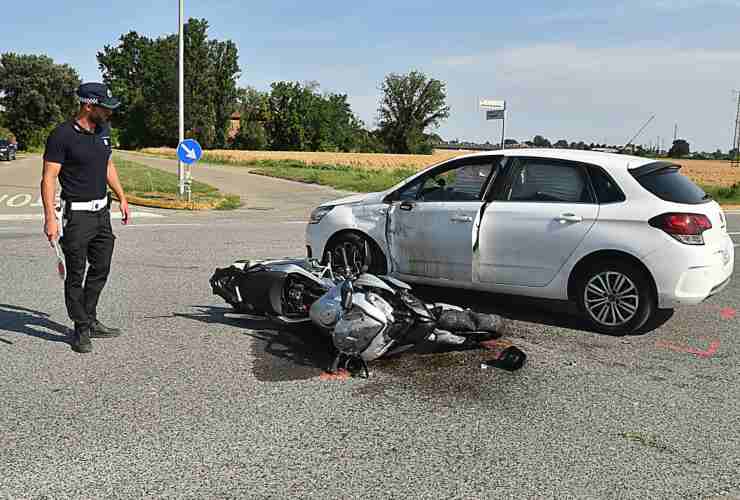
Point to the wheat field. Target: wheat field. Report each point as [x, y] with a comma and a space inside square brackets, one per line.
[707, 172]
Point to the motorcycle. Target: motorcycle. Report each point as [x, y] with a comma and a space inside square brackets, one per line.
[366, 316]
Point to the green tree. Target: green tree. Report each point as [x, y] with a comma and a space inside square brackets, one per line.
[6, 134]
[409, 105]
[302, 119]
[289, 105]
[540, 142]
[562, 144]
[143, 72]
[680, 148]
[37, 95]
[253, 108]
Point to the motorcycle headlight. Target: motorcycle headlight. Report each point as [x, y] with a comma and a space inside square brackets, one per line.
[319, 213]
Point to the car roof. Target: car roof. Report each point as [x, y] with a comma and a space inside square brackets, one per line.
[607, 160]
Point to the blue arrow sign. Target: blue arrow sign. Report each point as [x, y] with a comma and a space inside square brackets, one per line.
[189, 151]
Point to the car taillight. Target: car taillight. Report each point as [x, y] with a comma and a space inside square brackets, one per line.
[686, 228]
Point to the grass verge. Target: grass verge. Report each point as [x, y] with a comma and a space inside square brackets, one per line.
[725, 195]
[149, 186]
[340, 177]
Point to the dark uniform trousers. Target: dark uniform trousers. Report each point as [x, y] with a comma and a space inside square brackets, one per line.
[86, 237]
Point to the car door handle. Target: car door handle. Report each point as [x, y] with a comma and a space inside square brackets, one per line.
[461, 218]
[569, 218]
[406, 205]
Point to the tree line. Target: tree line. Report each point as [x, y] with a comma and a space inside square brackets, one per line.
[36, 94]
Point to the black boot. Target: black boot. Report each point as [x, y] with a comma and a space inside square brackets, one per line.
[99, 330]
[81, 339]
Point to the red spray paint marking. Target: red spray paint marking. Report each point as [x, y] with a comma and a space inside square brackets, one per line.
[724, 312]
[727, 313]
[711, 350]
[496, 344]
[340, 374]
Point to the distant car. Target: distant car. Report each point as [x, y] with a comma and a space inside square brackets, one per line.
[621, 236]
[8, 150]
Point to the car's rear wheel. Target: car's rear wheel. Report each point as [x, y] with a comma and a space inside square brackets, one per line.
[358, 252]
[615, 297]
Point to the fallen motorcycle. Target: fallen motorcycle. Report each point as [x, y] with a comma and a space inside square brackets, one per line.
[366, 316]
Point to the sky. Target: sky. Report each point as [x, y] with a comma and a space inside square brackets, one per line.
[588, 71]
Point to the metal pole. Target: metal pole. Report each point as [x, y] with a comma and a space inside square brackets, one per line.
[181, 91]
[734, 154]
[503, 126]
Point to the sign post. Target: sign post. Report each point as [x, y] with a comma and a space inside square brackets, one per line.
[188, 152]
[181, 92]
[495, 110]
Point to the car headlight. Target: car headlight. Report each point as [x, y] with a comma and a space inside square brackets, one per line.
[319, 213]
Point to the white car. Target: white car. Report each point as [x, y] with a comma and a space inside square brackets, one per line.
[622, 236]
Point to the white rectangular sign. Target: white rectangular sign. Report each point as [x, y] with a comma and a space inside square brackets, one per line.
[492, 104]
[495, 114]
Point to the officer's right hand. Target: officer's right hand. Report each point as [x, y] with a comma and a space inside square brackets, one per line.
[51, 229]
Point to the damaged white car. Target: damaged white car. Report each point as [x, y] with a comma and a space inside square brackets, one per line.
[622, 236]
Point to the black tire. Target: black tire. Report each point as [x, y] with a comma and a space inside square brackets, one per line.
[359, 251]
[615, 297]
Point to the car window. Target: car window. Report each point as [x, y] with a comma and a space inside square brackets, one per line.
[459, 182]
[666, 182]
[548, 181]
[606, 189]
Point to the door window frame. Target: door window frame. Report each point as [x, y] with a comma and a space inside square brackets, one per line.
[505, 185]
[453, 164]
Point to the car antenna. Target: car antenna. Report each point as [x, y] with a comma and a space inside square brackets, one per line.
[637, 134]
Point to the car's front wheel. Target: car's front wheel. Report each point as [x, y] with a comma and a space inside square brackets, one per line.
[615, 297]
[349, 253]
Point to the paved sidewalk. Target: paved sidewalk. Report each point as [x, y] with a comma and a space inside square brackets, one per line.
[256, 191]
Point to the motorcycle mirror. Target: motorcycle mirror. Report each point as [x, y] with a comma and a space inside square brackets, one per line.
[346, 292]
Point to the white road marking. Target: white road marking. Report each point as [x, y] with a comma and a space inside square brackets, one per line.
[733, 233]
[162, 225]
[294, 222]
[114, 215]
[25, 199]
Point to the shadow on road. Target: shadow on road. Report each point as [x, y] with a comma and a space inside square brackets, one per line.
[29, 322]
[282, 353]
[553, 313]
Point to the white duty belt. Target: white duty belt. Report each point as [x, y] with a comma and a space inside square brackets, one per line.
[88, 205]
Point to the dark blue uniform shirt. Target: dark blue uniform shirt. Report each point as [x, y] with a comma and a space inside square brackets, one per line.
[84, 158]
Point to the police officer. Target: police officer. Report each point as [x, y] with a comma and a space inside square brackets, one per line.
[78, 153]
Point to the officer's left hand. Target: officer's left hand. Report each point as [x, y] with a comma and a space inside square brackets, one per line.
[125, 213]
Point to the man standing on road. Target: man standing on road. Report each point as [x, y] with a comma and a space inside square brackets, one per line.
[78, 153]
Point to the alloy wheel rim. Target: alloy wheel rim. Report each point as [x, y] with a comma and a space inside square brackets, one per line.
[611, 298]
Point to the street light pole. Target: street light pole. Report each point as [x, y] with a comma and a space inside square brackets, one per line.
[181, 91]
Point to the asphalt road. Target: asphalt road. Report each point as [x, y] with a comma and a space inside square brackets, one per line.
[196, 402]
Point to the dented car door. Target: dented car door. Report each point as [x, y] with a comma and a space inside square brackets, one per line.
[430, 228]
